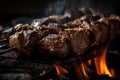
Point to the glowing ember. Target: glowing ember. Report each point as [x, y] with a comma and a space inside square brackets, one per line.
[89, 62]
[60, 70]
[100, 63]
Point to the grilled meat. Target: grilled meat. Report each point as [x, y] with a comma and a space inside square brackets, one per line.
[54, 44]
[54, 36]
[79, 39]
[113, 23]
[7, 33]
[68, 15]
[23, 41]
[100, 31]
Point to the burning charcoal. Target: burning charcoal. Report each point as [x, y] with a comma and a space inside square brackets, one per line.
[11, 65]
[103, 77]
[15, 76]
[61, 77]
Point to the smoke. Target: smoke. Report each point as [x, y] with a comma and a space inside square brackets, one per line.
[56, 7]
[104, 6]
[59, 6]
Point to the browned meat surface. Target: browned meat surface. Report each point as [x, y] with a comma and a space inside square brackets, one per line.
[79, 39]
[113, 23]
[100, 31]
[7, 33]
[23, 41]
[57, 35]
[54, 44]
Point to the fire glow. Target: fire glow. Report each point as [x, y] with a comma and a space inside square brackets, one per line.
[101, 65]
[60, 70]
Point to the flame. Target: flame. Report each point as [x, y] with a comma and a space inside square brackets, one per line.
[89, 62]
[60, 70]
[100, 64]
[112, 72]
[84, 71]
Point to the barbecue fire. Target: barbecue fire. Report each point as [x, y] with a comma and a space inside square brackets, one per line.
[76, 40]
[60, 70]
[84, 71]
[101, 64]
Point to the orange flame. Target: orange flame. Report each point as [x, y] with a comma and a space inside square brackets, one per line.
[60, 70]
[100, 63]
[84, 71]
[89, 62]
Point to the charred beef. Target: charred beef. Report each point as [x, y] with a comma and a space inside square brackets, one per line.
[53, 44]
[23, 42]
[7, 33]
[59, 34]
[79, 39]
[100, 31]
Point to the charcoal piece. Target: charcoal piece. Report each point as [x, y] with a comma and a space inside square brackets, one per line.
[15, 76]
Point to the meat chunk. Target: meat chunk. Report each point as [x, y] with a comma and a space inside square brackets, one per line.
[45, 21]
[6, 33]
[79, 39]
[57, 35]
[26, 41]
[100, 31]
[54, 27]
[72, 24]
[115, 28]
[23, 42]
[53, 44]
[113, 23]
[19, 27]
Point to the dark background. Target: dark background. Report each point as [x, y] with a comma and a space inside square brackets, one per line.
[12, 9]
